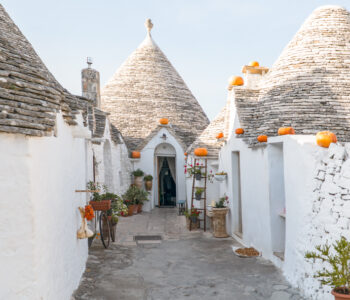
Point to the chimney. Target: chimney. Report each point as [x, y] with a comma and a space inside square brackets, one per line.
[253, 75]
[90, 80]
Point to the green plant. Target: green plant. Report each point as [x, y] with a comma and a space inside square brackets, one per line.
[94, 186]
[135, 195]
[338, 259]
[223, 201]
[148, 178]
[194, 212]
[108, 196]
[199, 191]
[221, 173]
[138, 173]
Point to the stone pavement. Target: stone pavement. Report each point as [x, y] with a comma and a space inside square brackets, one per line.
[183, 265]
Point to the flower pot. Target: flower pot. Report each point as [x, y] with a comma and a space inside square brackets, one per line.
[139, 208]
[193, 225]
[148, 185]
[130, 210]
[138, 181]
[194, 219]
[220, 178]
[198, 196]
[339, 296]
[219, 222]
[136, 209]
[101, 205]
[198, 176]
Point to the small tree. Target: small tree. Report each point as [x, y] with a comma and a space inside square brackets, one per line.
[338, 276]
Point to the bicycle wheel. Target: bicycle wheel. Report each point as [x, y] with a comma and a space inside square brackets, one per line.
[104, 230]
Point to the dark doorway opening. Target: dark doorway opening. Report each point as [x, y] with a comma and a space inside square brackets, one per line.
[167, 184]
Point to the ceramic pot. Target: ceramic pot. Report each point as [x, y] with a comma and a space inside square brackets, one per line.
[220, 178]
[338, 296]
[130, 210]
[219, 222]
[198, 176]
[198, 197]
[138, 181]
[148, 185]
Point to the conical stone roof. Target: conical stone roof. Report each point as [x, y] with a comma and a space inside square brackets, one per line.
[308, 87]
[146, 88]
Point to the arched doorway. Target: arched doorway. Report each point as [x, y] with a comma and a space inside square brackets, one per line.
[165, 157]
[107, 164]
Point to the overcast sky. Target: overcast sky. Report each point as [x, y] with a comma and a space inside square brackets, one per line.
[207, 41]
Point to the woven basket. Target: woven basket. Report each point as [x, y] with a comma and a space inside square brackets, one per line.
[101, 205]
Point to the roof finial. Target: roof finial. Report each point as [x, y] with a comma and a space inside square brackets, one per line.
[149, 26]
[89, 62]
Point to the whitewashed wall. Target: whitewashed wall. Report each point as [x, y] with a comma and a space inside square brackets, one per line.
[40, 255]
[118, 174]
[147, 163]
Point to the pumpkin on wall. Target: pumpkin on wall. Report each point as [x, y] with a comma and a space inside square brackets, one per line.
[262, 138]
[201, 151]
[164, 121]
[286, 130]
[239, 131]
[135, 154]
[254, 64]
[220, 135]
[325, 138]
[236, 80]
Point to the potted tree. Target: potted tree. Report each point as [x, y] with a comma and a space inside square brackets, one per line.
[337, 275]
[192, 221]
[148, 182]
[198, 193]
[130, 199]
[138, 174]
[219, 217]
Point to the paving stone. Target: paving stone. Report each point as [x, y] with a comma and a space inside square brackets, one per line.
[280, 295]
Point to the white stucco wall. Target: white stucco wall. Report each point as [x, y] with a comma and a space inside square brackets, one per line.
[41, 257]
[147, 163]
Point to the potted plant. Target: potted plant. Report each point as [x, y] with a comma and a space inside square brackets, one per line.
[138, 174]
[195, 171]
[219, 217]
[192, 221]
[97, 202]
[338, 262]
[141, 197]
[198, 193]
[148, 182]
[220, 176]
[117, 209]
[130, 199]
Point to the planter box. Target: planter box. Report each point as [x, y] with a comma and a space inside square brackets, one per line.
[220, 178]
[219, 222]
[101, 205]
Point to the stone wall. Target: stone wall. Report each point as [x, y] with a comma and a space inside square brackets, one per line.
[327, 215]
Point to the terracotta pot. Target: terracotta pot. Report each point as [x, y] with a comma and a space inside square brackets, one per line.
[130, 210]
[139, 208]
[338, 296]
[148, 185]
[219, 222]
[101, 205]
[138, 181]
[136, 208]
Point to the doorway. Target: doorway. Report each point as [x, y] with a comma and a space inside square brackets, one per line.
[167, 181]
[236, 187]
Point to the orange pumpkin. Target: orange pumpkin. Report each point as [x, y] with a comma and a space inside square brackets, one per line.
[236, 80]
[220, 135]
[325, 138]
[262, 138]
[185, 153]
[164, 121]
[135, 154]
[201, 151]
[239, 131]
[285, 130]
[254, 64]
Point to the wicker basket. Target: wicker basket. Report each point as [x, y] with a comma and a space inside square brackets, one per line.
[101, 205]
[193, 225]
